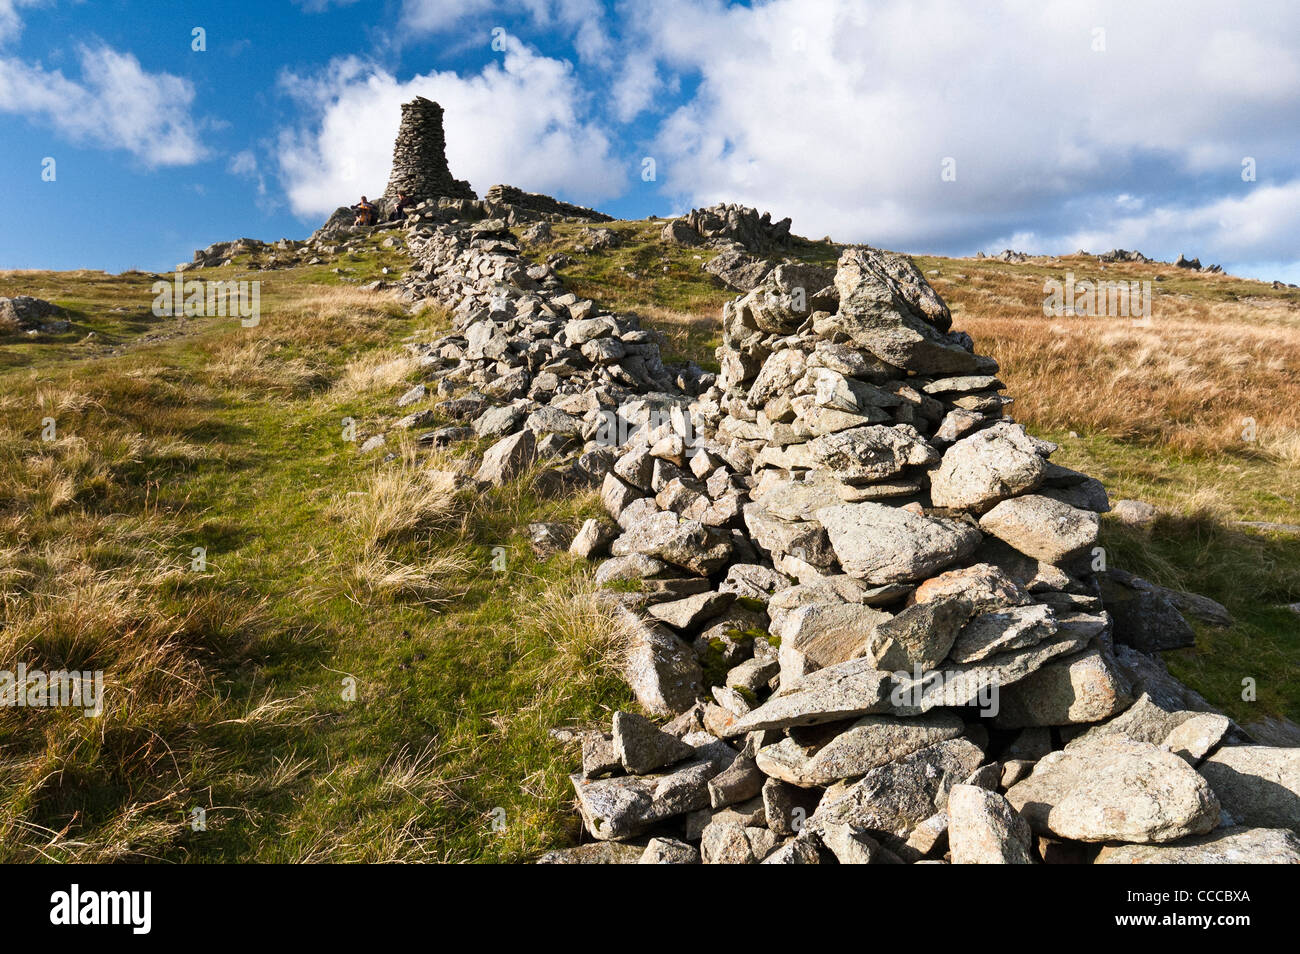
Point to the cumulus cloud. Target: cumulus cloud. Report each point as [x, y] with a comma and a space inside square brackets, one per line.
[1132, 118]
[115, 103]
[519, 121]
[583, 20]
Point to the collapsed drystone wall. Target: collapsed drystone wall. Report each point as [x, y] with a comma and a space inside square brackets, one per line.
[863, 603]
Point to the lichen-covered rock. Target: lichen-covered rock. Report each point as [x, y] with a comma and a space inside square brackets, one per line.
[1116, 790]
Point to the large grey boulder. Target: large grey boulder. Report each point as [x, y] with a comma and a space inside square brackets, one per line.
[1258, 785]
[1116, 790]
[1043, 528]
[888, 308]
[987, 467]
[1087, 687]
[883, 544]
[876, 452]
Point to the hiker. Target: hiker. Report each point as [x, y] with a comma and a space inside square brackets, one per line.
[365, 212]
[404, 204]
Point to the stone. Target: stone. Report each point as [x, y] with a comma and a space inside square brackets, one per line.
[876, 452]
[688, 613]
[987, 467]
[617, 496]
[796, 851]
[669, 851]
[921, 635]
[594, 853]
[868, 743]
[507, 459]
[891, 800]
[598, 755]
[983, 585]
[997, 631]
[983, 829]
[592, 538]
[1042, 528]
[685, 543]
[641, 747]
[1134, 513]
[1257, 785]
[883, 544]
[615, 809]
[1116, 790]
[802, 538]
[728, 843]
[661, 670]
[824, 634]
[1143, 617]
[888, 308]
[845, 691]
[1237, 845]
[1086, 687]
[850, 845]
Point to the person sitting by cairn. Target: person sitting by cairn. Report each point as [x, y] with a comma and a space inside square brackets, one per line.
[403, 207]
[365, 211]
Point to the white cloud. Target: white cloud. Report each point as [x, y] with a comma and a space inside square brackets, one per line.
[584, 19]
[839, 114]
[519, 121]
[10, 22]
[115, 103]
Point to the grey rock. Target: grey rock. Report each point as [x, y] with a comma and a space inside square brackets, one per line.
[669, 851]
[1086, 687]
[1042, 528]
[883, 544]
[507, 458]
[983, 829]
[1237, 845]
[641, 747]
[1257, 785]
[987, 467]
[1116, 790]
[889, 801]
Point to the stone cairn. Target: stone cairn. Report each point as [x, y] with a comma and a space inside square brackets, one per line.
[420, 156]
[864, 606]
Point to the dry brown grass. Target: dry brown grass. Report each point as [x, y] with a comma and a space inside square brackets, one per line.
[1192, 378]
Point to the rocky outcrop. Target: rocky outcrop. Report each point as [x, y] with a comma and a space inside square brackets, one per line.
[729, 224]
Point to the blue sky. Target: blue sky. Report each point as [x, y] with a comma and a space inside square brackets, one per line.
[1059, 125]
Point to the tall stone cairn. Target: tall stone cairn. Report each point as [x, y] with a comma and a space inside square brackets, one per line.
[420, 158]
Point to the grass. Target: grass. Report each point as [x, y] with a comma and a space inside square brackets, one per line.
[345, 676]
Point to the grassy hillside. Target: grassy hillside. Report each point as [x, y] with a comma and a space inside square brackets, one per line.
[349, 678]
